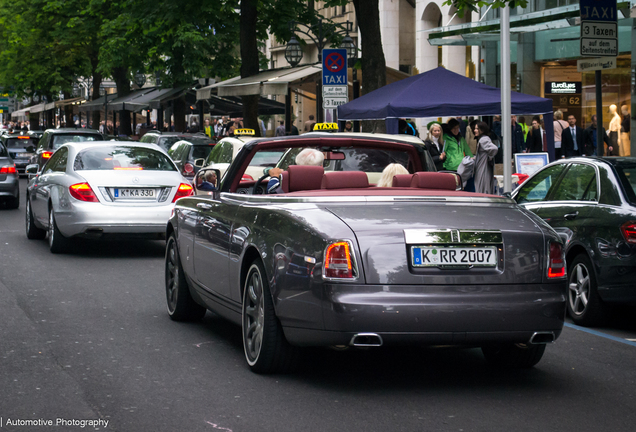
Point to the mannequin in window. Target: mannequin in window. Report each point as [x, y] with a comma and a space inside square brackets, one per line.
[625, 129]
[614, 131]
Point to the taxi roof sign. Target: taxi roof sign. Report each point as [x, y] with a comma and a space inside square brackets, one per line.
[238, 132]
[326, 127]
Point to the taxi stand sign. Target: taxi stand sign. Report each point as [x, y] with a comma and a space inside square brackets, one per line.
[334, 78]
[599, 29]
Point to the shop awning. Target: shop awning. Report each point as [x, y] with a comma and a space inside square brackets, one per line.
[97, 104]
[476, 32]
[232, 106]
[268, 82]
[37, 108]
[134, 101]
[171, 94]
[20, 113]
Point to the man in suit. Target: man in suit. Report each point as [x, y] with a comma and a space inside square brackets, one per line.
[591, 142]
[517, 138]
[572, 138]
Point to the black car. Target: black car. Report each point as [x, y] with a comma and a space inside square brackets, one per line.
[184, 153]
[166, 140]
[52, 139]
[21, 147]
[591, 203]
[9, 184]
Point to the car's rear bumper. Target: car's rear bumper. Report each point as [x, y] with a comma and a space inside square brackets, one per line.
[95, 219]
[434, 315]
[9, 186]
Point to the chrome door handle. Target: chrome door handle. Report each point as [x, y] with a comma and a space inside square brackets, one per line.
[571, 216]
[204, 206]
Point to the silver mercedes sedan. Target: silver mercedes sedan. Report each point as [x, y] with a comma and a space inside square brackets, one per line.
[100, 189]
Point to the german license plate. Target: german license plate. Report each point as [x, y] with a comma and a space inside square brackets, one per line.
[23, 155]
[134, 193]
[435, 256]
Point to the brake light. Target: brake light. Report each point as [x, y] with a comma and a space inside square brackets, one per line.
[24, 137]
[83, 192]
[188, 168]
[247, 177]
[339, 263]
[629, 231]
[556, 262]
[8, 169]
[184, 190]
[47, 155]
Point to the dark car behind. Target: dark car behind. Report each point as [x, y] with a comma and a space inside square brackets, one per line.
[9, 184]
[184, 153]
[21, 147]
[591, 203]
[52, 139]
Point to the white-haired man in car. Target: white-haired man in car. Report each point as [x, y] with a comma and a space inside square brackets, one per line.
[306, 157]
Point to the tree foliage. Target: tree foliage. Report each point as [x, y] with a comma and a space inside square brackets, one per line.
[473, 5]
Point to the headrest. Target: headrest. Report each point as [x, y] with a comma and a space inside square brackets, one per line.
[402, 180]
[302, 177]
[434, 180]
[345, 180]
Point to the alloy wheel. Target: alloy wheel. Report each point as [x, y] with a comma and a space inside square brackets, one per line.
[579, 292]
[51, 229]
[253, 316]
[172, 277]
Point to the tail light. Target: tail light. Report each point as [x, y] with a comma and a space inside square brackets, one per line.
[47, 154]
[339, 261]
[188, 169]
[184, 190]
[556, 262]
[8, 169]
[629, 231]
[247, 177]
[83, 192]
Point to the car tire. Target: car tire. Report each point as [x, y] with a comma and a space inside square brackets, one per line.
[181, 305]
[513, 356]
[266, 349]
[585, 306]
[32, 231]
[57, 242]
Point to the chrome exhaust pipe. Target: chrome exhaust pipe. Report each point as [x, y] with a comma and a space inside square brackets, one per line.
[542, 338]
[366, 340]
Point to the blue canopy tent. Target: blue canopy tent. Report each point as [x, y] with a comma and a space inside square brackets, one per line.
[442, 93]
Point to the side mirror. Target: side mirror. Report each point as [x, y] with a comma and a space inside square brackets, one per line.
[199, 162]
[507, 195]
[32, 169]
[207, 182]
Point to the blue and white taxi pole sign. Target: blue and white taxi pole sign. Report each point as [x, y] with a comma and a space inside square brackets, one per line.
[599, 38]
[334, 80]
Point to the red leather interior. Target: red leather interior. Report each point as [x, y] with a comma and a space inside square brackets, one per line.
[434, 180]
[402, 180]
[345, 180]
[302, 177]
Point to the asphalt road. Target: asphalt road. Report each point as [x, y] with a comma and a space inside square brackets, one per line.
[86, 336]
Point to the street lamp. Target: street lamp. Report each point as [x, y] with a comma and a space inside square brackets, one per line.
[140, 79]
[102, 91]
[293, 52]
[158, 78]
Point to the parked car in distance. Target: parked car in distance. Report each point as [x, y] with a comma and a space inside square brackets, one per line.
[21, 147]
[102, 189]
[335, 261]
[52, 139]
[591, 203]
[184, 153]
[9, 182]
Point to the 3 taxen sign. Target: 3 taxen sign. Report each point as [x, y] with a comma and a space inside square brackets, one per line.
[599, 30]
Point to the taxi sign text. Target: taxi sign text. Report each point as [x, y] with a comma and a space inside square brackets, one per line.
[244, 132]
[326, 126]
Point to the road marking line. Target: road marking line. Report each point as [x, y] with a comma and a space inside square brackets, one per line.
[604, 335]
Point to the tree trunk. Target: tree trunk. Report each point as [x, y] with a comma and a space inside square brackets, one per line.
[373, 62]
[95, 115]
[179, 113]
[120, 75]
[249, 61]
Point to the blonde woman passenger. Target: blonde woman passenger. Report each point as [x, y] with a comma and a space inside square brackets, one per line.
[391, 170]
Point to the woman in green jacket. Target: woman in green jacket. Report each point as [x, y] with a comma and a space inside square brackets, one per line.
[455, 146]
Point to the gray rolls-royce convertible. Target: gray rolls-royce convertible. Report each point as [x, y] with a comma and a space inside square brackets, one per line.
[333, 260]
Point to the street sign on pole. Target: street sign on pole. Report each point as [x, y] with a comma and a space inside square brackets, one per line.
[599, 30]
[334, 78]
[596, 64]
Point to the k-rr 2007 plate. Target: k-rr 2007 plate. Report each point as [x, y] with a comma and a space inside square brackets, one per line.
[436, 256]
